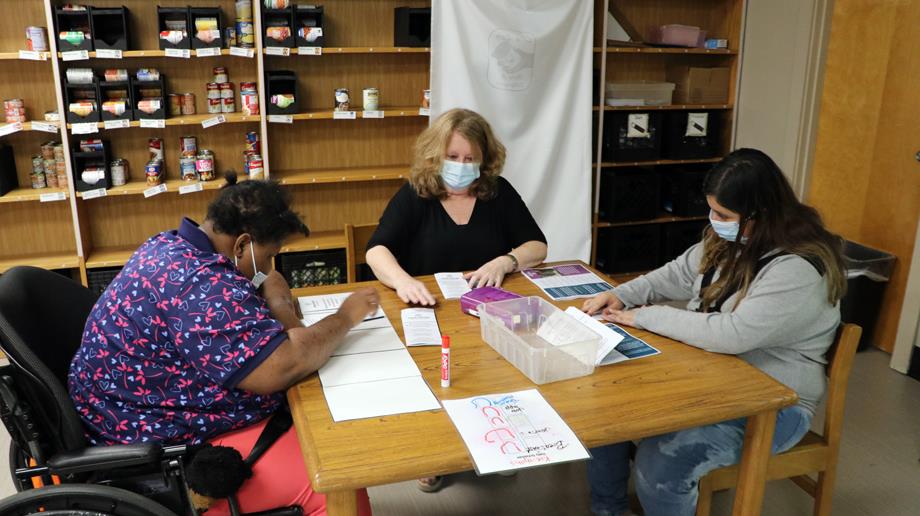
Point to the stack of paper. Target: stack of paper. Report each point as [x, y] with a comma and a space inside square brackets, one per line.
[571, 281]
[617, 345]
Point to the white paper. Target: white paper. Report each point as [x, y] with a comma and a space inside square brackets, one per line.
[368, 367]
[420, 325]
[452, 284]
[570, 281]
[609, 338]
[153, 124]
[369, 341]
[75, 55]
[242, 52]
[281, 119]
[182, 53]
[105, 53]
[51, 197]
[15, 127]
[207, 52]
[116, 124]
[376, 113]
[317, 308]
[344, 115]
[511, 431]
[32, 55]
[46, 127]
[93, 194]
[192, 188]
[559, 329]
[629, 348]
[154, 190]
[278, 51]
[310, 51]
[85, 128]
[381, 398]
[424, 111]
[214, 120]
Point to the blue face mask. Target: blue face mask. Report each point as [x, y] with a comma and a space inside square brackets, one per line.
[727, 230]
[458, 176]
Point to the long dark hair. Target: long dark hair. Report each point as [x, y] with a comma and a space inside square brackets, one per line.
[749, 183]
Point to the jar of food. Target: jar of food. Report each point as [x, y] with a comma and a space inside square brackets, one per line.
[119, 171]
[205, 165]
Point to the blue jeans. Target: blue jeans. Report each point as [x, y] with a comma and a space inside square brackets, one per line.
[669, 466]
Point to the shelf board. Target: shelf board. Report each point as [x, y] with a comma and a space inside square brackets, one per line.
[44, 261]
[318, 240]
[327, 114]
[172, 186]
[148, 53]
[15, 55]
[27, 194]
[27, 126]
[109, 256]
[657, 162]
[232, 118]
[367, 50]
[668, 107]
[663, 219]
[668, 50]
[340, 175]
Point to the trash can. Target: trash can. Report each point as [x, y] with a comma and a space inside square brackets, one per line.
[868, 272]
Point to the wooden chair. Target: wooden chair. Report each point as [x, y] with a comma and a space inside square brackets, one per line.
[356, 238]
[815, 453]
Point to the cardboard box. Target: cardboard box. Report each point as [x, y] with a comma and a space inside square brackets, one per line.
[699, 85]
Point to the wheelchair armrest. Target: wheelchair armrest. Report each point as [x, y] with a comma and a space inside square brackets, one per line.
[98, 458]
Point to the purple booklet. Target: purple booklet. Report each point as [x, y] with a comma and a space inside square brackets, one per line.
[477, 296]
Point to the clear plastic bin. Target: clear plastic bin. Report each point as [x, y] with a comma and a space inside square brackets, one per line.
[640, 93]
[511, 327]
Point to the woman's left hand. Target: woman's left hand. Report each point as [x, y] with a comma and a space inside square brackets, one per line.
[627, 317]
[491, 274]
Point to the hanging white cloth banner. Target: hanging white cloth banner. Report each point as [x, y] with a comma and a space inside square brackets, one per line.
[525, 65]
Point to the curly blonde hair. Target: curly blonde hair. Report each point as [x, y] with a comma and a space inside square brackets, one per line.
[431, 145]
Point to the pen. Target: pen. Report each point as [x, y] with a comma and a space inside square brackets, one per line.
[445, 361]
[373, 318]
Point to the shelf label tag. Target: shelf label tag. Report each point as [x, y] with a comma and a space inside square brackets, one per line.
[32, 55]
[214, 120]
[51, 197]
[344, 115]
[310, 51]
[372, 114]
[281, 119]
[153, 124]
[93, 194]
[46, 127]
[242, 52]
[75, 55]
[116, 124]
[278, 51]
[11, 128]
[187, 189]
[182, 53]
[108, 53]
[208, 52]
[424, 111]
[85, 128]
[154, 190]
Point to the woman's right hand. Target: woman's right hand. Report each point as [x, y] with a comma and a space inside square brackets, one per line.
[601, 301]
[413, 291]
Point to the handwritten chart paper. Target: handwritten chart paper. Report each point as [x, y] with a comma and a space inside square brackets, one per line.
[511, 431]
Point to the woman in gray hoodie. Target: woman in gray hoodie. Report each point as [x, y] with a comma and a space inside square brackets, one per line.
[764, 284]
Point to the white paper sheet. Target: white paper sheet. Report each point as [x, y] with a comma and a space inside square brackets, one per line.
[452, 284]
[369, 341]
[380, 398]
[317, 308]
[570, 281]
[368, 367]
[511, 431]
[559, 329]
[609, 338]
[420, 326]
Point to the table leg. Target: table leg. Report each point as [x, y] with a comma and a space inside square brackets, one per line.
[342, 503]
[758, 443]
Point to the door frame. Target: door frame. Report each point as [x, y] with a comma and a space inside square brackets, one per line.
[909, 322]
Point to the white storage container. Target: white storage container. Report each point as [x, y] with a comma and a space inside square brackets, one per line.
[511, 327]
[640, 93]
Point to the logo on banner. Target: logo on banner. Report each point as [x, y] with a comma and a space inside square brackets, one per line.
[510, 59]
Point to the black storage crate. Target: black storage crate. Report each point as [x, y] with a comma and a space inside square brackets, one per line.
[85, 159]
[628, 193]
[137, 89]
[108, 91]
[177, 14]
[412, 27]
[194, 13]
[8, 179]
[83, 92]
[312, 268]
[308, 26]
[677, 237]
[692, 135]
[99, 279]
[278, 18]
[632, 136]
[627, 249]
[280, 82]
[73, 21]
[682, 191]
[110, 28]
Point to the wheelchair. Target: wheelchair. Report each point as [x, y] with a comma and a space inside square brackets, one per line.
[55, 470]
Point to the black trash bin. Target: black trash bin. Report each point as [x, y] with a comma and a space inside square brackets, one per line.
[868, 272]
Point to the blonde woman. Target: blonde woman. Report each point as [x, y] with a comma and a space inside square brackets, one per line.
[456, 213]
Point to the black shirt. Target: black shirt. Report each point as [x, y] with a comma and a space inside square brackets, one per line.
[425, 240]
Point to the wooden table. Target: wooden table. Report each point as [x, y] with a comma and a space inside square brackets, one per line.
[680, 388]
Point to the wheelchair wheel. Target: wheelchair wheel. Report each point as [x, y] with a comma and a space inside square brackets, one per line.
[80, 499]
[17, 460]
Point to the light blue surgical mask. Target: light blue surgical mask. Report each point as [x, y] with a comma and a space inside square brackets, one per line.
[727, 230]
[260, 276]
[459, 175]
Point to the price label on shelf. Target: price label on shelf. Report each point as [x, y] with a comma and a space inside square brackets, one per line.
[108, 53]
[344, 115]
[116, 124]
[182, 53]
[153, 124]
[75, 55]
[243, 52]
[277, 51]
[281, 119]
[10, 128]
[32, 55]
[52, 197]
[45, 127]
[424, 111]
[372, 114]
[208, 52]
[214, 120]
[310, 51]
[85, 128]
[154, 190]
[93, 194]
[187, 189]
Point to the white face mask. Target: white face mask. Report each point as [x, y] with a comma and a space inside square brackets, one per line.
[260, 276]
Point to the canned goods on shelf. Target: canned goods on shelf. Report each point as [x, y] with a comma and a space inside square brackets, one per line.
[214, 106]
[256, 167]
[220, 75]
[249, 103]
[148, 74]
[188, 103]
[188, 169]
[213, 89]
[149, 106]
[228, 105]
[79, 75]
[175, 104]
[35, 39]
[341, 99]
[154, 172]
[116, 75]
[119, 171]
[188, 146]
[155, 147]
[205, 165]
[226, 90]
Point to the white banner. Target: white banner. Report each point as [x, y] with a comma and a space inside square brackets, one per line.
[525, 65]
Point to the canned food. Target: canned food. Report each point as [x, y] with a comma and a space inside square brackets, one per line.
[73, 37]
[226, 90]
[175, 104]
[116, 75]
[50, 173]
[91, 145]
[245, 34]
[249, 103]
[188, 168]
[214, 106]
[82, 108]
[206, 29]
[148, 74]
[61, 168]
[252, 143]
[256, 167]
[204, 165]
[155, 147]
[220, 75]
[188, 146]
[426, 98]
[154, 172]
[119, 171]
[278, 34]
[37, 177]
[149, 106]
[35, 39]
[173, 36]
[93, 174]
[247, 86]
[48, 150]
[114, 107]
[52, 116]
[80, 75]
[277, 4]
[213, 90]
[341, 99]
[371, 98]
[188, 104]
[228, 105]
[282, 100]
[244, 10]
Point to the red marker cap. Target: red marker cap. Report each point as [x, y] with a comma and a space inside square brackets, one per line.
[445, 341]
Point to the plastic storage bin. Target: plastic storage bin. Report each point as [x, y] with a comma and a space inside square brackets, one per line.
[312, 268]
[628, 193]
[642, 93]
[511, 327]
[679, 35]
[692, 135]
[629, 249]
[632, 136]
[682, 191]
[868, 272]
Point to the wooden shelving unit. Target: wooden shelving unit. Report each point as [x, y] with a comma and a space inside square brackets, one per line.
[668, 107]
[340, 175]
[49, 261]
[666, 50]
[388, 112]
[29, 194]
[193, 120]
[362, 50]
[317, 241]
[663, 219]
